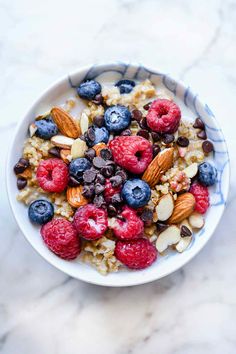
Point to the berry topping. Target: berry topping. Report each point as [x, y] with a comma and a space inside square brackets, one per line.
[78, 167]
[40, 212]
[163, 116]
[110, 191]
[96, 135]
[46, 128]
[52, 175]
[128, 225]
[201, 196]
[207, 174]
[89, 89]
[133, 153]
[90, 222]
[136, 193]
[125, 86]
[61, 238]
[117, 118]
[136, 254]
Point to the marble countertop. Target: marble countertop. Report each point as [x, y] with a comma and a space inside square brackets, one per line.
[44, 311]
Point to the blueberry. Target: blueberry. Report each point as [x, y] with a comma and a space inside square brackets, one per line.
[101, 136]
[89, 89]
[125, 86]
[46, 128]
[207, 174]
[136, 193]
[117, 118]
[40, 211]
[78, 166]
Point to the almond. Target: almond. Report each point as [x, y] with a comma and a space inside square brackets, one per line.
[75, 197]
[66, 124]
[196, 220]
[98, 147]
[191, 170]
[167, 238]
[78, 148]
[183, 244]
[62, 141]
[165, 207]
[159, 165]
[184, 206]
[84, 122]
[32, 129]
[65, 155]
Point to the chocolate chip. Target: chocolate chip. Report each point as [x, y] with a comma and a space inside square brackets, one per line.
[147, 216]
[99, 188]
[107, 171]
[21, 183]
[89, 176]
[156, 136]
[144, 133]
[122, 174]
[98, 99]
[100, 179]
[137, 115]
[184, 231]
[161, 227]
[90, 154]
[156, 150]
[88, 191]
[168, 138]
[207, 146]
[98, 162]
[99, 201]
[182, 141]
[202, 135]
[106, 154]
[198, 124]
[143, 123]
[111, 209]
[73, 182]
[147, 106]
[116, 199]
[116, 181]
[99, 121]
[126, 132]
[91, 134]
[54, 151]
[21, 166]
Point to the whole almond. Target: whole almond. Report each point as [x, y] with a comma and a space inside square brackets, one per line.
[62, 141]
[75, 197]
[184, 207]
[159, 165]
[65, 122]
[65, 155]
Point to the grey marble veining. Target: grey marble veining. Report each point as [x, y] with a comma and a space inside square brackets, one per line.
[42, 310]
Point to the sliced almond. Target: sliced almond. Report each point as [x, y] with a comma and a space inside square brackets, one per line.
[159, 165]
[191, 170]
[184, 206]
[75, 197]
[183, 244]
[196, 220]
[32, 129]
[167, 238]
[165, 207]
[62, 141]
[84, 122]
[65, 122]
[66, 155]
[78, 148]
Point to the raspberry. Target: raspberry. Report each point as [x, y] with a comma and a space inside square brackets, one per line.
[52, 175]
[110, 191]
[129, 226]
[136, 254]
[133, 153]
[163, 116]
[61, 238]
[90, 222]
[201, 196]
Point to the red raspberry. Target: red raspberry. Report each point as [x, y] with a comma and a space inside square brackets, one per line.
[130, 227]
[61, 238]
[201, 196]
[163, 116]
[133, 153]
[91, 222]
[52, 175]
[110, 191]
[136, 254]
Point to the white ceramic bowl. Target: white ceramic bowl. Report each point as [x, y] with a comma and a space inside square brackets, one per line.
[191, 107]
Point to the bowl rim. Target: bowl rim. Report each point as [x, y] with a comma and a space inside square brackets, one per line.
[8, 168]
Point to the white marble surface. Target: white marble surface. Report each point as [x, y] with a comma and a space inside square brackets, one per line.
[43, 311]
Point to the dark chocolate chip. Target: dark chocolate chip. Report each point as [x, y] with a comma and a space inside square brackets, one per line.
[98, 162]
[198, 124]
[99, 188]
[156, 136]
[116, 181]
[106, 154]
[21, 166]
[99, 201]
[184, 231]
[207, 146]
[100, 179]
[99, 121]
[21, 183]
[89, 176]
[111, 209]
[182, 141]
[156, 150]
[90, 154]
[147, 106]
[107, 171]
[55, 151]
[144, 133]
[161, 227]
[147, 216]
[98, 99]
[126, 132]
[202, 135]
[122, 174]
[73, 182]
[88, 191]
[143, 123]
[91, 134]
[168, 138]
[137, 115]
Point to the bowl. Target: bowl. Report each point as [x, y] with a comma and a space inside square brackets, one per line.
[191, 107]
